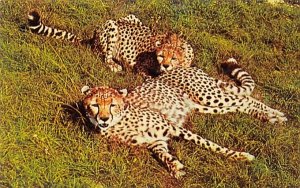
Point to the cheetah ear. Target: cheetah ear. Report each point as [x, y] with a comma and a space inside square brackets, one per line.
[123, 92]
[85, 90]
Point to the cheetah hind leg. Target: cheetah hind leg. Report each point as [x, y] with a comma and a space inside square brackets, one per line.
[209, 145]
[112, 38]
[160, 149]
[252, 107]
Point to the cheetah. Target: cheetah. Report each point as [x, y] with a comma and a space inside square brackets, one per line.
[179, 91]
[156, 111]
[121, 41]
[111, 111]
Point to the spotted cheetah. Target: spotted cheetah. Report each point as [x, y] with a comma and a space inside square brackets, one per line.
[112, 112]
[122, 41]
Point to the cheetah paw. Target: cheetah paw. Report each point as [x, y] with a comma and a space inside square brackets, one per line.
[179, 174]
[115, 67]
[279, 119]
[246, 156]
[177, 169]
[241, 156]
[277, 116]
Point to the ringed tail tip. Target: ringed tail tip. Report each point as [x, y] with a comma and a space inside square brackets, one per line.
[34, 18]
[229, 65]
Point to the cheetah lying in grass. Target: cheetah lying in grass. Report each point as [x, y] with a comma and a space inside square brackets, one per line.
[155, 112]
[122, 41]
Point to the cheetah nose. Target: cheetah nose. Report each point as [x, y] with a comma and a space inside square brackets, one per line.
[165, 66]
[104, 119]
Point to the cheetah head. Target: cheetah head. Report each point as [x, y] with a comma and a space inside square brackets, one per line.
[170, 53]
[104, 106]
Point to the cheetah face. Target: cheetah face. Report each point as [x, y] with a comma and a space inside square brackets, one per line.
[104, 106]
[170, 54]
[168, 59]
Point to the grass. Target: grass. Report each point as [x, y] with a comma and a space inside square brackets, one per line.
[44, 141]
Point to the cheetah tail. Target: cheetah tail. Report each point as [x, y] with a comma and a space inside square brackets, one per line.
[36, 26]
[241, 77]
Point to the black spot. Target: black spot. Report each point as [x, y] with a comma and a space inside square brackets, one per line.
[208, 97]
[165, 132]
[207, 143]
[193, 140]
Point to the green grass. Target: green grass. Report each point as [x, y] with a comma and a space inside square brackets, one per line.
[44, 141]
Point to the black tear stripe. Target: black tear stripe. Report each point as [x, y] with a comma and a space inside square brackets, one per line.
[112, 116]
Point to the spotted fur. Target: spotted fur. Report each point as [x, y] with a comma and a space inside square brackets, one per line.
[181, 90]
[120, 41]
[117, 118]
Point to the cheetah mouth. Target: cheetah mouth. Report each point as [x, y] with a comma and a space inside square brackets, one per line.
[103, 125]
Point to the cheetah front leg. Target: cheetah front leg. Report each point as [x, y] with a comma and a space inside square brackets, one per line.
[160, 149]
[112, 33]
[209, 145]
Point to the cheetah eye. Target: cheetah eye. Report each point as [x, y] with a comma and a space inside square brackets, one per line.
[162, 56]
[94, 105]
[112, 105]
[174, 58]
